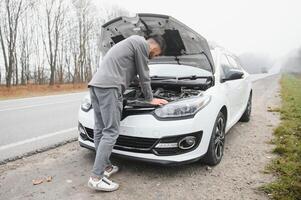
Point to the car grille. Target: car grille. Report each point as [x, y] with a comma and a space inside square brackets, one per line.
[128, 143]
[90, 133]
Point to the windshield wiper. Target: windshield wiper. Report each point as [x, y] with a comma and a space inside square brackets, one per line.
[162, 77]
[193, 77]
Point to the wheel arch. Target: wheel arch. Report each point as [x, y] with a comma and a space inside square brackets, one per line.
[224, 110]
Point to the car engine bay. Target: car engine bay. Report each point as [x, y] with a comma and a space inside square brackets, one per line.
[134, 103]
[134, 96]
[171, 90]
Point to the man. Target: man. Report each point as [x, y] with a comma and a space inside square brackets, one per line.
[122, 63]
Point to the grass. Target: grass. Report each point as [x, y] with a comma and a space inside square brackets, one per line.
[287, 166]
[32, 90]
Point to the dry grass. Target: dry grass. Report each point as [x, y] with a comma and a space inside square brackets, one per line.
[32, 90]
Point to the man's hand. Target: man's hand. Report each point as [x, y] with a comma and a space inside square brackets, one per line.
[158, 101]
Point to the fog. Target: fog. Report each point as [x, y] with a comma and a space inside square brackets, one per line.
[292, 62]
[256, 63]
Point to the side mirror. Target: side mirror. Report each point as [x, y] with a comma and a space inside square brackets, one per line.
[233, 75]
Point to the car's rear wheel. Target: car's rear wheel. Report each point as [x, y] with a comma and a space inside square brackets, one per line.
[246, 116]
[217, 142]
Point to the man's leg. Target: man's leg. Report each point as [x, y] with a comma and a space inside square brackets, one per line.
[98, 123]
[110, 104]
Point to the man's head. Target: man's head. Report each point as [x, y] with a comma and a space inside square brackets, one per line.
[157, 45]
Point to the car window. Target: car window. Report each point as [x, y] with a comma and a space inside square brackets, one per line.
[225, 66]
[233, 63]
[238, 62]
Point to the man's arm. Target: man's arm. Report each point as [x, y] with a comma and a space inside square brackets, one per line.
[141, 61]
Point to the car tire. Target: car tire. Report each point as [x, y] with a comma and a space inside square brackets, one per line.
[246, 116]
[217, 142]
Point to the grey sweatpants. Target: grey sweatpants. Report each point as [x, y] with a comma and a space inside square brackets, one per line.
[107, 106]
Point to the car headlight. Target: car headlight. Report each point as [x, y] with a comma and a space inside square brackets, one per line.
[183, 108]
[86, 104]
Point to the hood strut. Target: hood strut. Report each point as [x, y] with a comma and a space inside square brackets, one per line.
[178, 60]
[148, 31]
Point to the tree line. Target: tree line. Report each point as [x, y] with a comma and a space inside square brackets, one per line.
[292, 64]
[50, 41]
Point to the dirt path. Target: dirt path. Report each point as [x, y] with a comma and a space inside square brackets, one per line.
[236, 177]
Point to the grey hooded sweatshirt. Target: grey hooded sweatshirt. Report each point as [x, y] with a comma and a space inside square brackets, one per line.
[122, 63]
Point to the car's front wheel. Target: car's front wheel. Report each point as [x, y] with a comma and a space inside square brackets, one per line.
[217, 142]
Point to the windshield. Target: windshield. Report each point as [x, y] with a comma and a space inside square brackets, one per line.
[176, 70]
[198, 60]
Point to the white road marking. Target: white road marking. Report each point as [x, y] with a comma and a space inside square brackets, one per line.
[37, 105]
[36, 139]
[42, 97]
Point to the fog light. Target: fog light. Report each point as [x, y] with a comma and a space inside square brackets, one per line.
[167, 145]
[187, 142]
[81, 129]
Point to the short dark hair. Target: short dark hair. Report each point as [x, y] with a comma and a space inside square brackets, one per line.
[160, 41]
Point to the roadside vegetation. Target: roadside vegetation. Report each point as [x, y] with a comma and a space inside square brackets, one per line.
[31, 90]
[287, 166]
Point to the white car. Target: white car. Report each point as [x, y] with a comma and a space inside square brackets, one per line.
[207, 89]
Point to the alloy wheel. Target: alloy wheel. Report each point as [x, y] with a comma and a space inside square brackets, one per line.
[219, 138]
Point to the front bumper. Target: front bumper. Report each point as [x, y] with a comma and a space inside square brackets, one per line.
[165, 146]
[140, 157]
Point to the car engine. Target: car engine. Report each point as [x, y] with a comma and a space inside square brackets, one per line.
[170, 90]
[134, 103]
[133, 97]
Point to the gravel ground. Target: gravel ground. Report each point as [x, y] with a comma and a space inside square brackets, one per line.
[238, 175]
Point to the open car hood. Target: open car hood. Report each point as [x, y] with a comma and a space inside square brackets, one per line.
[184, 45]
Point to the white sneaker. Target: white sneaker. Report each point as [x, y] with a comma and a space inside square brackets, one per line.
[103, 184]
[111, 172]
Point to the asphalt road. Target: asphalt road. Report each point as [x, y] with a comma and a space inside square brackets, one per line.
[237, 177]
[35, 124]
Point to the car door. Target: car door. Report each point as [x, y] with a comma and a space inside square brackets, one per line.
[243, 86]
[233, 89]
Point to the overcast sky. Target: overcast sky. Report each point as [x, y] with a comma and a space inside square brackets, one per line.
[269, 27]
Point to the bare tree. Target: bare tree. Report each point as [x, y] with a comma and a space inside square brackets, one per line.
[54, 14]
[25, 42]
[64, 48]
[8, 35]
[113, 12]
[85, 22]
